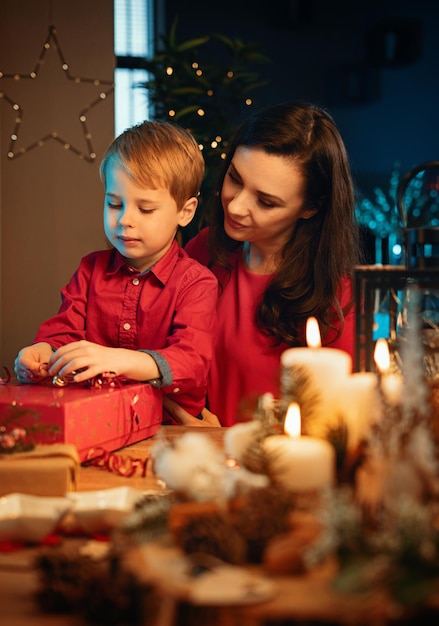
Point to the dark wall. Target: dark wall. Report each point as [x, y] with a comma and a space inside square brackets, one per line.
[374, 65]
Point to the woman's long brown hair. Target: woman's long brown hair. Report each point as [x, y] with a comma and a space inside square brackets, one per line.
[322, 249]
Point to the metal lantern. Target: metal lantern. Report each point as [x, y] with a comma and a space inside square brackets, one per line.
[421, 223]
[380, 290]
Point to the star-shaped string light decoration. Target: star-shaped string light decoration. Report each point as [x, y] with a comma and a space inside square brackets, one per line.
[108, 89]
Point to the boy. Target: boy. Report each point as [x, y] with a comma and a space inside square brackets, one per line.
[142, 310]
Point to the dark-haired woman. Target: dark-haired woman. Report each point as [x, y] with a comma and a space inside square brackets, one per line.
[282, 241]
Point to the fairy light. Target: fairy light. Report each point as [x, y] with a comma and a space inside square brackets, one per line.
[106, 89]
[171, 113]
[169, 70]
[200, 112]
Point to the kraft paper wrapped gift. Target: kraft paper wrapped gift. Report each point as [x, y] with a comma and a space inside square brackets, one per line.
[47, 470]
[92, 419]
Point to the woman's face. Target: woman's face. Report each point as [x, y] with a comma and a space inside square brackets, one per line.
[263, 196]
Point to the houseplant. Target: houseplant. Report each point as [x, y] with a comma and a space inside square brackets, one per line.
[204, 84]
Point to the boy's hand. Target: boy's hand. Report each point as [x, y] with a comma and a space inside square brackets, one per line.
[31, 364]
[186, 419]
[83, 360]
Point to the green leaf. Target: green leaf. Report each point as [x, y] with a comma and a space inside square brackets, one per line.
[360, 573]
[192, 43]
[182, 91]
[173, 32]
[185, 111]
[412, 588]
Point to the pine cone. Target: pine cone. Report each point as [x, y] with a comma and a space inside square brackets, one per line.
[203, 527]
[260, 515]
[99, 591]
[116, 598]
[255, 458]
[212, 534]
[62, 575]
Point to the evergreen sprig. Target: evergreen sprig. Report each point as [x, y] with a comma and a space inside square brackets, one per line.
[16, 437]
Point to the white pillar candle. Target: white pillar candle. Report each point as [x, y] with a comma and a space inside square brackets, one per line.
[326, 370]
[392, 386]
[391, 382]
[358, 405]
[300, 464]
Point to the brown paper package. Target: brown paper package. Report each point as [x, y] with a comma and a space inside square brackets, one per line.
[47, 470]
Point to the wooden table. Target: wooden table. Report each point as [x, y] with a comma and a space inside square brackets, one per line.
[301, 600]
[18, 579]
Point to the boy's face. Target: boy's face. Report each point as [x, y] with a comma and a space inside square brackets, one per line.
[140, 223]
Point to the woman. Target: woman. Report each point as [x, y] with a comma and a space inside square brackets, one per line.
[282, 241]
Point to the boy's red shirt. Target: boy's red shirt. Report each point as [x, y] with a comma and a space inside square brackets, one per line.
[168, 311]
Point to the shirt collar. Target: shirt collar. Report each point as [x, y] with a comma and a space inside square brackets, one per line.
[162, 269]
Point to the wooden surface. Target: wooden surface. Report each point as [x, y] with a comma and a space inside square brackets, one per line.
[307, 598]
[18, 580]
[93, 478]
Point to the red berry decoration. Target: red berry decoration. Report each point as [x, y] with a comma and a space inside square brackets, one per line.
[7, 441]
[18, 433]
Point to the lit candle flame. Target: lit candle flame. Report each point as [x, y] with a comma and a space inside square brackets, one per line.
[381, 355]
[292, 420]
[313, 338]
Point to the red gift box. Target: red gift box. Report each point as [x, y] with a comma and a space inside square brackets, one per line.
[92, 419]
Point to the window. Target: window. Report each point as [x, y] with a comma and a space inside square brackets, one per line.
[133, 41]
